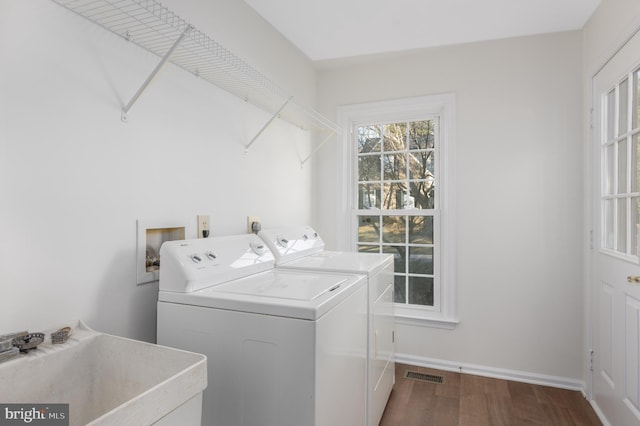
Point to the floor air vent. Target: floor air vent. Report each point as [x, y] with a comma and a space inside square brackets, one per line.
[423, 377]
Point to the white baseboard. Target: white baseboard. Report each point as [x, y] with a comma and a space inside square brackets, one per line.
[497, 373]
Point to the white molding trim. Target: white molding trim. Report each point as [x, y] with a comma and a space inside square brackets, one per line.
[413, 108]
[497, 373]
[425, 320]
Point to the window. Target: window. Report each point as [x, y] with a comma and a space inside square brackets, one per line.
[397, 190]
[396, 200]
[620, 197]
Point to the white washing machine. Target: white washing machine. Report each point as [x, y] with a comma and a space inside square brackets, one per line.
[284, 347]
[301, 248]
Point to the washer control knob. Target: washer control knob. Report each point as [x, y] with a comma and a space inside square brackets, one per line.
[282, 241]
[258, 248]
[211, 255]
[196, 258]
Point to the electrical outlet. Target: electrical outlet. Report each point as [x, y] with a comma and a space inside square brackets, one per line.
[250, 220]
[203, 225]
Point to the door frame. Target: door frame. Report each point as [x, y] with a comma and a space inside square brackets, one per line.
[592, 183]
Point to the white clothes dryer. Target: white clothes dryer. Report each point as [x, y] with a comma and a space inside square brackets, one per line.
[301, 248]
[284, 347]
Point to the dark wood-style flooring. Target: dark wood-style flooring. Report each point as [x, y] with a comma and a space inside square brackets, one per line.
[468, 400]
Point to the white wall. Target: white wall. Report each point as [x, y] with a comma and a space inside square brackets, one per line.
[74, 178]
[519, 194]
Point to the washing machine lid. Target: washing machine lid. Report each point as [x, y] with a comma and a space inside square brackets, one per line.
[340, 261]
[281, 292]
[190, 265]
[291, 243]
[303, 287]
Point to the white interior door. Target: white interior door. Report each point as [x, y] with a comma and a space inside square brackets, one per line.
[615, 310]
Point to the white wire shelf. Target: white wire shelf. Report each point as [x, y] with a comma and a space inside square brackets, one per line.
[152, 26]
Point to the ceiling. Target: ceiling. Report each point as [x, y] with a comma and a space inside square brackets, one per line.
[330, 29]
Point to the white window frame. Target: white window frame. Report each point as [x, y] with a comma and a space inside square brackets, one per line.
[443, 314]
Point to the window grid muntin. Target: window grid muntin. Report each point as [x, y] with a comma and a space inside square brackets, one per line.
[617, 203]
[380, 212]
[435, 120]
[405, 274]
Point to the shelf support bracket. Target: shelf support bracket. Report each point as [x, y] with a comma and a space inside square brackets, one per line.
[153, 74]
[325, 140]
[277, 113]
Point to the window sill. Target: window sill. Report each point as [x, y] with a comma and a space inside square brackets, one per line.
[424, 318]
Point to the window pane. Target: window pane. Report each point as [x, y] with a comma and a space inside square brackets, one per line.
[421, 134]
[622, 167]
[399, 257]
[421, 165]
[421, 291]
[607, 222]
[395, 166]
[609, 169]
[394, 196]
[369, 139]
[400, 289]
[611, 109]
[623, 105]
[421, 229]
[635, 215]
[369, 196]
[368, 168]
[635, 162]
[621, 246]
[409, 202]
[423, 194]
[636, 100]
[421, 260]
[395, 136]
[393, 230]
[369, 229]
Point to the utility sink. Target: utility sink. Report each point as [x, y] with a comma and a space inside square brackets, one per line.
[109, 380]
